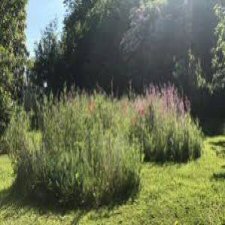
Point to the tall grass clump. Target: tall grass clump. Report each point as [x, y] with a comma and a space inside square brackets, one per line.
[83, 157]
[165, 127]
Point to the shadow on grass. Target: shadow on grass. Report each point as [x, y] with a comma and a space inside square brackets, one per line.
[220, 144]
[16, 206]
[218, 147]
[219, 176]
[212, 126]
[12, 204]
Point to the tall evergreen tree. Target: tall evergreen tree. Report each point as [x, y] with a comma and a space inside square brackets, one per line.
[12, 54]
[48, 69]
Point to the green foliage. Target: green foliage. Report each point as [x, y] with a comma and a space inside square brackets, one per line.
[5, 114]
[218, 61]
[12, 55]
[48, 68]
[84, 155]
[216, 82]
[5, 89]
[165, 127]
[5, 109]
[93, 32]
[189, 72]
[89, 149]
[12, 39]
[120, 41]
[107, 42]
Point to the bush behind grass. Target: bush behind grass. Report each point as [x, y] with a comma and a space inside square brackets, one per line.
[84, 156]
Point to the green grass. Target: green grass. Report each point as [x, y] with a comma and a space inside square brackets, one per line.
[192, 193]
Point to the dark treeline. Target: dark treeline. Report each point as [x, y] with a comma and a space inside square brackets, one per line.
[115, 44]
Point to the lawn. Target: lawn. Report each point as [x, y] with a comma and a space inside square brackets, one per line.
[192, 193]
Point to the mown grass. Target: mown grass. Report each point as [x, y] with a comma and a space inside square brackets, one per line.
[192, 193]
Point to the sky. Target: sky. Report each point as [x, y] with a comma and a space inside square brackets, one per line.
[39, 14]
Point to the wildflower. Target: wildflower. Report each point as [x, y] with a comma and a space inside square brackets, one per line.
[91, 106]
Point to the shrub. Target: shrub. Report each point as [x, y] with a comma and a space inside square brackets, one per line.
[165, 128]
[83, 156]
[5, 113]
[89, 148]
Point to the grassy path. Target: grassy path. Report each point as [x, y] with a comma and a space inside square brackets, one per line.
[191, 193]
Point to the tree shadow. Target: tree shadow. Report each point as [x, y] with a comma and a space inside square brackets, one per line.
[15, 205]
[218, 147]
[218, 144]
[212, 126]
[219, 176]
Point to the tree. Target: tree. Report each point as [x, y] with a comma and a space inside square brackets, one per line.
[107, 42]
[93, 32]
[12, 55]
[49, 69]
[218, 62]
[136, 40]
